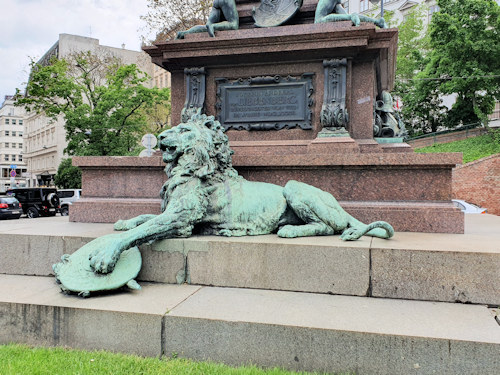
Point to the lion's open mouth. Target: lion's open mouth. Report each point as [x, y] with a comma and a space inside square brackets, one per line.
[170, 153]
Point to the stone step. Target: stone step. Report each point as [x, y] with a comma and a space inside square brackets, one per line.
[297, 331]
[415, 266]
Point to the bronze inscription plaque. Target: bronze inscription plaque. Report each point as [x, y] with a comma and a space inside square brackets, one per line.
[265, 103]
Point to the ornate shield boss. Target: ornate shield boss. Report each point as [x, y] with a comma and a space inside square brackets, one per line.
[275, 12]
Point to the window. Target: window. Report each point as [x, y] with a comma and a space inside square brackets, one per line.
[20, 122]
[13, 121]
[13, 157]
[363, 5]
[432, 9]
[13, 134]
[7, 121]
[7, 133]
[20, 145]
[6, 157]
[14, 145]
[19, 157]
[20, 134]
[7, 145]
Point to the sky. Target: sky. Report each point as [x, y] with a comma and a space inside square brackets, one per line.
[28, 28]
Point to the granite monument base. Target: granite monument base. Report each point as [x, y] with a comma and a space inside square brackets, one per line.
[411, 191]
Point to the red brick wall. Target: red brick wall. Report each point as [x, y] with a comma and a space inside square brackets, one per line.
[478, 182]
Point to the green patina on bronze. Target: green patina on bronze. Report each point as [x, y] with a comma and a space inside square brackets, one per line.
[205, 195]
[333, 11]
[75, 274]
[223, 16]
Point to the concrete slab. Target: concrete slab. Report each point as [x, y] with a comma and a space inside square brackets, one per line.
[422, 266]
[314, 332]
[33, 311]
[322, 265]
[440, 267]
[298, 331]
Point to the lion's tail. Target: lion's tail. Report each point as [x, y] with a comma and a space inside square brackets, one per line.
[380, 229]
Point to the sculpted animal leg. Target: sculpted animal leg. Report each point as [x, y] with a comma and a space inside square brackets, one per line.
[132, 223]
[378, 22]
[315, 206]
[307, 203]
[186, 208]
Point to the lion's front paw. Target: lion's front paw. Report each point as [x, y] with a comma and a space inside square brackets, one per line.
[121, 225]
[288, 231]
[381, 23]
[104, 260]
[351, 234]
[355, 19]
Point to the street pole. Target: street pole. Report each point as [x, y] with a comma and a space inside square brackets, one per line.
[382, 8]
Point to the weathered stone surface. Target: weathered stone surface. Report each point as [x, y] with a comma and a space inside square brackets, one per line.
[438, 268]
[322, 265]
[297, 331]
[470, 262]
[333, 333]
[32, 311]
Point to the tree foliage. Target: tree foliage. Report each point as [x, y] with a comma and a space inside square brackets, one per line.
[68, 176]
[458, 54]
[103, 103]
[166, 17]
[465, 41]
[422, 110]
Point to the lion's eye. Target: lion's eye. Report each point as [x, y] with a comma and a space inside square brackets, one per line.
[183, 130]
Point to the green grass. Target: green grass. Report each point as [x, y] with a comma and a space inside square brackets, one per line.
[472, 148]
[20, 359]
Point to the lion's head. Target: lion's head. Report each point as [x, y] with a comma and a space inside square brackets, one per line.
[197, 148]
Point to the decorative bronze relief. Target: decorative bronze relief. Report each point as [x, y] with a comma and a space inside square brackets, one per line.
[195, 93]
[265, 103]
[334, 112]
[272, 13]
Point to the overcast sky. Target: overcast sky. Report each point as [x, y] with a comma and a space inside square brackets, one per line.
[28, 28]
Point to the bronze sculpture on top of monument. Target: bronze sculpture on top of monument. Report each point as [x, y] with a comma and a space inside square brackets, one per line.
[270, 13]
[302, 102]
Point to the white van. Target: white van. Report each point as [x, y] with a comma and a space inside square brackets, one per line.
[67, 198]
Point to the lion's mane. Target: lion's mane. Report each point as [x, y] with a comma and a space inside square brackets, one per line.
[208, 159]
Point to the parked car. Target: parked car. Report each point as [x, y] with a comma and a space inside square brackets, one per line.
[67, 197]
[10, 208]
[36, 201]
[469, 208]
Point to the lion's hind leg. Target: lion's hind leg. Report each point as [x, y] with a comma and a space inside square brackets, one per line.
[132, 223]
[319, 210]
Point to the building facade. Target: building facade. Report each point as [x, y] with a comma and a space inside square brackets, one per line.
[13, 171]
[45, 138]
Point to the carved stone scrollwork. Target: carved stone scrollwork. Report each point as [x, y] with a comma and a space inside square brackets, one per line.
[334, 112]
[195, 93]
[265, 102]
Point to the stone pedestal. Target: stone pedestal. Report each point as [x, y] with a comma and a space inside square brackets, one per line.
[374, 179]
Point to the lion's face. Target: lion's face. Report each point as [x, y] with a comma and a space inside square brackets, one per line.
[174, 142]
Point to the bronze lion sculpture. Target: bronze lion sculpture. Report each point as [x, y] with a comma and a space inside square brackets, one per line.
[205, 195]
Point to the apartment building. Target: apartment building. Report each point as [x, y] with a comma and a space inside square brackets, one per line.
[399, 7]
[45, 138]
[12, 163]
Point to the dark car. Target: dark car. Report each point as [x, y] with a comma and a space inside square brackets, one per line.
[36, 201]
[10, 208]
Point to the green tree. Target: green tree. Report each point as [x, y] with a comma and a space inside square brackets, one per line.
[465, 58]
[104, 104]
[422, 109]
[68, 176]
